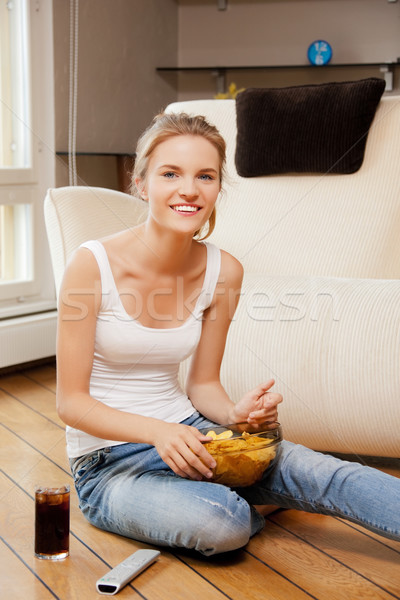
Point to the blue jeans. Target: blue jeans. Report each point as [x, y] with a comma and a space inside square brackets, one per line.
[129, 490]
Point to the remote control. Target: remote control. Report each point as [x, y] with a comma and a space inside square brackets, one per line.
[123, 573]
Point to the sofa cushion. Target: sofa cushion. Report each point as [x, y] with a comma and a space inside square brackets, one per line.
[305, 129]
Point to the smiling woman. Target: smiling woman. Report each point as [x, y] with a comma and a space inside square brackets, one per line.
[167, 126]
[135, 437]
[189, 187]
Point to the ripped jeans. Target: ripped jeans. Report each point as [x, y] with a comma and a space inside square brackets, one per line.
[129, 490]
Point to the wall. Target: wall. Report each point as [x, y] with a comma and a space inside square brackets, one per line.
[278, 32]
[120, 44]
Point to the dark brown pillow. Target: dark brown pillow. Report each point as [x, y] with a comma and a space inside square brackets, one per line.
[305, 129]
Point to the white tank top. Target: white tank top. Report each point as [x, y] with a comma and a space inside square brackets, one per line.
[135, 368]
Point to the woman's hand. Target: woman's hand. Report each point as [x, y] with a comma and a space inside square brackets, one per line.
[181, 448]
[257, 406]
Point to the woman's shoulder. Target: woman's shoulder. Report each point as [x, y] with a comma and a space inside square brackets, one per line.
[119, 237]
[81, 266]
[91, 253]
[231, 269]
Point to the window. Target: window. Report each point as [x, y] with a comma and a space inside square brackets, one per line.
[16, 240]
[26, 153]
[15, 146]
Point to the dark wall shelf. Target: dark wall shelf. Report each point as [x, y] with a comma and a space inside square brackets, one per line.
[219, 71]
[258, 67]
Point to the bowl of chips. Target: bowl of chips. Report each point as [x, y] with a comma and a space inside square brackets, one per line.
[242, 451]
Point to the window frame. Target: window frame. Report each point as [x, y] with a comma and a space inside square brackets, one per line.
[25, 174]
[28, 185]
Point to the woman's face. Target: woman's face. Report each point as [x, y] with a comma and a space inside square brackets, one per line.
[182, 183]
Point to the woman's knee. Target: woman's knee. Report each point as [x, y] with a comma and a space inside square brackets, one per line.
[223, 527]
[201, 516]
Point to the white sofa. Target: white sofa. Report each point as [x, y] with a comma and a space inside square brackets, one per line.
[320, 307]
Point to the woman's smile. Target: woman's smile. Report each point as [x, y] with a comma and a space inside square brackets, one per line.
[186, 210]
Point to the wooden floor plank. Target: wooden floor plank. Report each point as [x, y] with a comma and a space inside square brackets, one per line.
[299, 561]
[32, 394]
[17, 581]
[367, 556]
[42, 433]
[17, 524]
[45, 375]
[243, 577]
[385, 541]
[296, 557]
[111, 547]
[33, 467]
[75, 576]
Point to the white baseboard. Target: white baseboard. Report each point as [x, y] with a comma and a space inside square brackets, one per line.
[28, 338]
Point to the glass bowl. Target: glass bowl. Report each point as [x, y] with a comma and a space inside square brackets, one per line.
[243, 456]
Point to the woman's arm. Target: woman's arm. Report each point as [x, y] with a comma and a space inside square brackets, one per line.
[204, 387]
[80, 297]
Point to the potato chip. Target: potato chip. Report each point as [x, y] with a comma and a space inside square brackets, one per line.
[240, 461]
[225, 435]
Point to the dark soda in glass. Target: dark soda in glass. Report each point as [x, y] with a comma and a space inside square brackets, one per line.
[52, 522]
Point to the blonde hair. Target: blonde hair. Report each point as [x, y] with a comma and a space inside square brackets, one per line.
[167, 125]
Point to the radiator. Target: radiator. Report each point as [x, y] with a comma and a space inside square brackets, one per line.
[28, 338]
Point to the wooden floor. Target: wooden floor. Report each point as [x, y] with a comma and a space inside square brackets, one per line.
[297, 556]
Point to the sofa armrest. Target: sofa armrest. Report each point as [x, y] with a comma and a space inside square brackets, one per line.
[79, 213]
[333, 347]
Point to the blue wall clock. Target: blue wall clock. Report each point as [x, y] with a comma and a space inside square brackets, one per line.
[319, 52]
